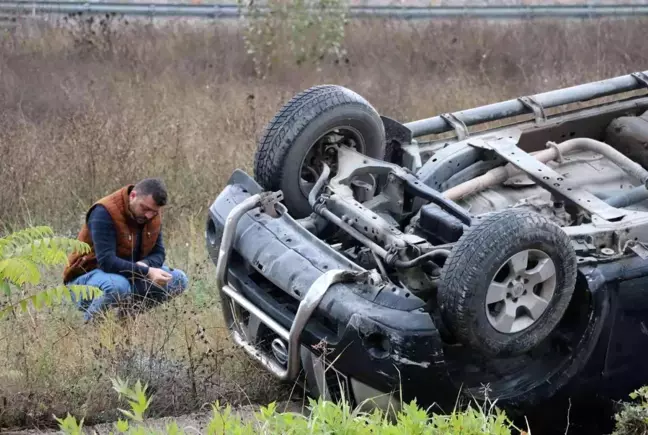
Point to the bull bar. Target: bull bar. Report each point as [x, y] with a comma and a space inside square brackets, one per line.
[230, 295]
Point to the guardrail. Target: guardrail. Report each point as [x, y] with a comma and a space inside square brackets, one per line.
[216, 11]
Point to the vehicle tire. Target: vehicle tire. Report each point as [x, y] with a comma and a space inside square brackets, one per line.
[292, 146]
[507, 282]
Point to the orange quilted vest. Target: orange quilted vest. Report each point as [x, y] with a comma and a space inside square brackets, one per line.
[117, 205]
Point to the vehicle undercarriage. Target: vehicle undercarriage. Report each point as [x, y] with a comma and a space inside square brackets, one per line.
[507, 261]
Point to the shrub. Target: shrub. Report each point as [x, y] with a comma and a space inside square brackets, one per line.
[21, 254]
[299, 30]
[324, 417]
[633, 418]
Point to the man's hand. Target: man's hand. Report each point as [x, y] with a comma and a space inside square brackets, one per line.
[159, 276]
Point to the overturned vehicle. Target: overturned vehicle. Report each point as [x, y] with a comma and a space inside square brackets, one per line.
[509, 261]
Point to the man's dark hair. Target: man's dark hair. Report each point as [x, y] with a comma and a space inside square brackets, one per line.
[154, 187]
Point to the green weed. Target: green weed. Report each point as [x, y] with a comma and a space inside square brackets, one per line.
[322, 417]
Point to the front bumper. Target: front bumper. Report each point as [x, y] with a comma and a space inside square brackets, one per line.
[285, 290]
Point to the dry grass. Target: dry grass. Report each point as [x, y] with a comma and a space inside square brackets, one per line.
[83, 113]
[54, 364]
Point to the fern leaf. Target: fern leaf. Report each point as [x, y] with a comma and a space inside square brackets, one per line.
[19, 271]
[47, 256]
[20, 254]
[80, 292]
[4, 287]
[76, 246]
[25, 236]
[47, 297]
[37, 300]
[47, 251]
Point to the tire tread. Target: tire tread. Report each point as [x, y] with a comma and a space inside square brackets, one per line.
[461, 272]
[288, 122]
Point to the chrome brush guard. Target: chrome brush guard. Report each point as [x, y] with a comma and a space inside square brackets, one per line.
[229, 295]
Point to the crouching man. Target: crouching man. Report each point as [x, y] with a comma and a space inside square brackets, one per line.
[127, 260]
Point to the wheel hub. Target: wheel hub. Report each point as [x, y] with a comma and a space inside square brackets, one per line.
[521, 291]
[517, 290]
[325, 150]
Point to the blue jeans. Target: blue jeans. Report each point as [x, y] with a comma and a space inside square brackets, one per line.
[117, 289]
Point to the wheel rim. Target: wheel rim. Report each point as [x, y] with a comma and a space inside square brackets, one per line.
[521, 291]
[325, 150]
